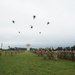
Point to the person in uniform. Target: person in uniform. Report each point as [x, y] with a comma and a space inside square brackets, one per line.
[0, 52]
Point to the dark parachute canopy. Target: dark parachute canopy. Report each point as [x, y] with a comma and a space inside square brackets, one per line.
[39, 32]
[34, 17]
[19, 32]
[48, 23]
[13, 21]
[31, 26]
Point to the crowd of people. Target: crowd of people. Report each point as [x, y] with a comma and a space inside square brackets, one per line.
[10, 52]
[56, 54]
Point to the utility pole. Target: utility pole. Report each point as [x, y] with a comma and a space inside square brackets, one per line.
[1, 45]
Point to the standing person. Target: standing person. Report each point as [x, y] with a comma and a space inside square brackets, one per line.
[48, 54]
[72, 55]
[12, 52]
[55, 55]
[45, 56]
[0, 52]
[6, 52]
[52, 54]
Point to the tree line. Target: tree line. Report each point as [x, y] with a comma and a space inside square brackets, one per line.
[66, 48]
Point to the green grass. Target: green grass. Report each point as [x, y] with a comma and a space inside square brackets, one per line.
[28, 63]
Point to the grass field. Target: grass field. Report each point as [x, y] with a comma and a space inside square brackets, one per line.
[28, 63]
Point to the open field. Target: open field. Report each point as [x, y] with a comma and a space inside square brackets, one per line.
[28, 63]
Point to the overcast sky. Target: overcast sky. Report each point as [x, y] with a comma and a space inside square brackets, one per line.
[60, 31]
